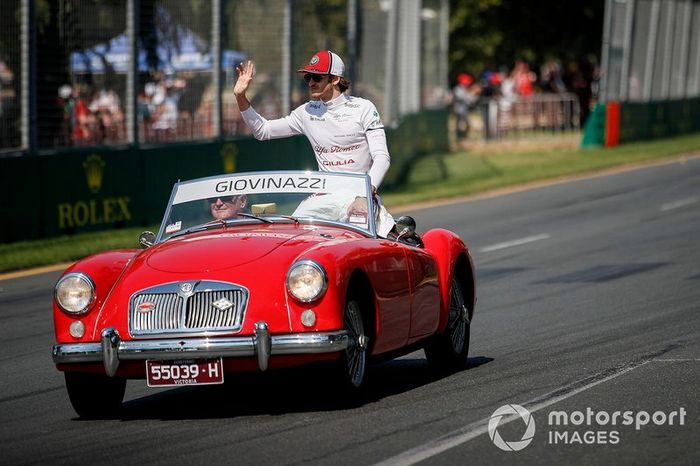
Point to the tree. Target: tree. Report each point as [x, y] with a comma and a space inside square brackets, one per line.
[490, 33]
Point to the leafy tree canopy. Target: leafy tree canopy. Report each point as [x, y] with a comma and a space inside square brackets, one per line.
[489, 34]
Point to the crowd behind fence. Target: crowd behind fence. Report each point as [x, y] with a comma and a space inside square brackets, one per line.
[82, 73]
[542, 112]
[522, 99]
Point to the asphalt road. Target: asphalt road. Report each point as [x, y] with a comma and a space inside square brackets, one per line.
[588, 311]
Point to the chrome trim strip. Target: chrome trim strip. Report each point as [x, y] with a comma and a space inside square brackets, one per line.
[299, 343]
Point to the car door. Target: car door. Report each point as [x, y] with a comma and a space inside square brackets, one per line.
[425, 292]
[388, 270]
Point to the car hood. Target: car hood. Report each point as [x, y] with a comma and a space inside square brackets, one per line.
[221, 250]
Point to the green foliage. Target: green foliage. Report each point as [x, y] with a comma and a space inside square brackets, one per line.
[492, 33]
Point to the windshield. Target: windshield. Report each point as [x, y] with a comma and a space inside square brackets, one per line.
[269, 197]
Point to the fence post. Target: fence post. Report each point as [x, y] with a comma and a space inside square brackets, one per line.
[131, 107]
[390, 81]
[352, 39]
[287, 57]
[217, 71]
[28, 80]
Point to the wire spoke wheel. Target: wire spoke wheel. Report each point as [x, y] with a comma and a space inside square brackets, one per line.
[458, 318]
[448, 350]
[356, 352]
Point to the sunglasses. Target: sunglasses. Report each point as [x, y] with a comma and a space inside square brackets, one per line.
[316, 77]
[225, 199]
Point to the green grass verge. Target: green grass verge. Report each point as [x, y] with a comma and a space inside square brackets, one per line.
[486, 168]
[482, 168]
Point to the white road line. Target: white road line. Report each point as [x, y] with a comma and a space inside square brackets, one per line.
[676, 360]
[475, 429]
[678, 204]
[515, 242]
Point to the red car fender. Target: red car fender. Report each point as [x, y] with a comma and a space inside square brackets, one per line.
[104, 270]
[339, 261]
[373, 260]
[447, 249]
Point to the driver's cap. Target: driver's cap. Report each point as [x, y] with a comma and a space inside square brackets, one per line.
[324, 62]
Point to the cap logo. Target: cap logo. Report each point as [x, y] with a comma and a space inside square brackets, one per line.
[314, 60]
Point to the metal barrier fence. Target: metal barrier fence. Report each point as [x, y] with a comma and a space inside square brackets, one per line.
[651, 50]
[503, 118]
[10, 74]
[90, 73]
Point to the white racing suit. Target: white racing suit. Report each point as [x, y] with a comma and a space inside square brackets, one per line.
[346, 135]
[337, 206]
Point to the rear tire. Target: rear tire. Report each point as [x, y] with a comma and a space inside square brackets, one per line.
[448, 350]
[95, 396]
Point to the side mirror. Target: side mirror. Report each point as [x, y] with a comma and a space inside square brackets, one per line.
[406, 226]
[147, 239]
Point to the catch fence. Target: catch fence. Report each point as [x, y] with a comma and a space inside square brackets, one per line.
[110, 73]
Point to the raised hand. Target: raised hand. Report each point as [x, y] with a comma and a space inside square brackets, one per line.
[245, 72]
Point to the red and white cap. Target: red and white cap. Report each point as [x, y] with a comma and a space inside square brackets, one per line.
[324, 62]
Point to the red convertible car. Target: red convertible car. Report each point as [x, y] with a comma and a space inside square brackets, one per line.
[258, 271]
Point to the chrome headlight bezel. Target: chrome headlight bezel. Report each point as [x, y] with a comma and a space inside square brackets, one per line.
[75, 280]
[312, 273]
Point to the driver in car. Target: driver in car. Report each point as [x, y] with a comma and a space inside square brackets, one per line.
[226, 207]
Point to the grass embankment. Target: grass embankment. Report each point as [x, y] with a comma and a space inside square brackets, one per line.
[479, 168]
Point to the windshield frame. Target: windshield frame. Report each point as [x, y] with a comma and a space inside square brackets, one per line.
[182, 186]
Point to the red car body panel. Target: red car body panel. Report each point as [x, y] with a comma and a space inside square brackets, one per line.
[449, 248]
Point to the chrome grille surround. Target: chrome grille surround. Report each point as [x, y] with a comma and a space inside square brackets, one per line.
[187, 308]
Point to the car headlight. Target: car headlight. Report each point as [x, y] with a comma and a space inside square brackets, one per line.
[306, 280]
[75, 292]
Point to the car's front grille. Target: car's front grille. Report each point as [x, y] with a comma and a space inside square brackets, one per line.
[186, 308]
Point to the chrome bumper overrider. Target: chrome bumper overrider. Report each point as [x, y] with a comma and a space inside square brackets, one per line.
[112, 349]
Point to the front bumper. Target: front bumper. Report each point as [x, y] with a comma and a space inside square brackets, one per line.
[112, 349]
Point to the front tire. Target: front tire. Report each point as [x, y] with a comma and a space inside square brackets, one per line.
[448, 350]
[355, 356]
[95, 396]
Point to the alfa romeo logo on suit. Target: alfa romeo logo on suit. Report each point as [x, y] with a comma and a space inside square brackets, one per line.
[511, 410]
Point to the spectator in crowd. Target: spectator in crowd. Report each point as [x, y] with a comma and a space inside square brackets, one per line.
[580, 78]
[106, 108]
[551, 79]
[465, 95]
[165, 114]
[65, 102]
[82, 119]
[489, 96]
[345, 132]
[144, 106]
[508, 91]
[524, 79]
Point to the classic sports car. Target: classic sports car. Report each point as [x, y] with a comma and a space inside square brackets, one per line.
[297, 275]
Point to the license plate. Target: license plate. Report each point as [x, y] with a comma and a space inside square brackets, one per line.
[184, 372]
